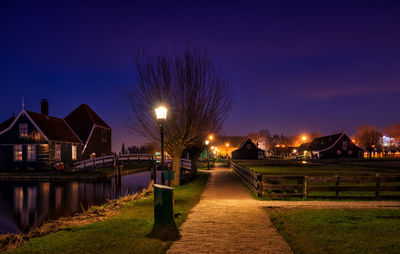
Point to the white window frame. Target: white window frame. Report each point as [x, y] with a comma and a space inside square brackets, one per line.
[31, 152]
[23, 130]
[103, 135]
[18, 149]
[57, 152]
[74, 152]
[344, 146]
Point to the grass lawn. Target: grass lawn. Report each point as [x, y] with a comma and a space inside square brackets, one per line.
[127, 232]
[339, 230]
[331, 167]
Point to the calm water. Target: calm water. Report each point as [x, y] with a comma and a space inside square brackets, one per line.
[25, 205]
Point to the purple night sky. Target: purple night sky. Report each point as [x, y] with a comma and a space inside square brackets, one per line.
[294, 65]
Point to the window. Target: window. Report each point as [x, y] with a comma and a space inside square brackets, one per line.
[57, 152]
[23, 130]
[339, 152]
[350, 152]
[103, 135]
[248, 146]
[17, 152]
[344, 144]
[73, 153]
[31, 152]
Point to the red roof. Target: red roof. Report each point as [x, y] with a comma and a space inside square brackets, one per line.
[55, 129]
[82, 120]
[4, 125]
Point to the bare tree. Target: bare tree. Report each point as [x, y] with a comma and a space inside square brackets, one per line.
[194, 91]
[368, 137]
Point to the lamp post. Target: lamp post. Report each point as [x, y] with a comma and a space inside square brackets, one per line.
[161, 113]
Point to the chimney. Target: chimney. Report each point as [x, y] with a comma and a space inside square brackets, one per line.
[44, 107]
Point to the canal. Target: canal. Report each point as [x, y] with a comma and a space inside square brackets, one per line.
[27, 204]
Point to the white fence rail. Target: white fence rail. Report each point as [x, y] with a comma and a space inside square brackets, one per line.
[111, 160]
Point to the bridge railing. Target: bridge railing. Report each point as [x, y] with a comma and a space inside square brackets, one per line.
[111, 160]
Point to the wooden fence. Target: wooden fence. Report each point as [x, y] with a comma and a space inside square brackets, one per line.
[319, 187]
[249, 177]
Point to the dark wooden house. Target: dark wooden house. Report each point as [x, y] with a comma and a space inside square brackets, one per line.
[38, 140]
[248, 151]
[92, 130]
[332, 147]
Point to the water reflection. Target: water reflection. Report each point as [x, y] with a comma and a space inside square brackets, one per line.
[25, 205]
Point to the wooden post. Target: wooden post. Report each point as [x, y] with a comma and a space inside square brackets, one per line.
[305, 192]
[378, 184]
[337, 184]
[94, 163]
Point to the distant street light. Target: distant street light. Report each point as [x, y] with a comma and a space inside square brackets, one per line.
[304, 138]
[161, 113]
[211, 137]
[226, 151]
[207, 142]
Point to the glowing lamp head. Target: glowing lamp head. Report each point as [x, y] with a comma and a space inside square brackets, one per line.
[211, 137]
[207, 142]
[227, 144]
[161, 113]
[304, 138]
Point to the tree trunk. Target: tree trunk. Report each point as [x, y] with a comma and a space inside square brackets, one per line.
[194, 165]
[176, 167]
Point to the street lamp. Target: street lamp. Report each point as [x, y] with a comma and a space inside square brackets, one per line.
[161, 113]
[227, 145]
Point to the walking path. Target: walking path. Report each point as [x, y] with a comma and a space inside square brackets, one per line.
[228, 220]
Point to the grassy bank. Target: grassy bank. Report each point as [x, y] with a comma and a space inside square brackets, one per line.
[128, 232]
[339, 230]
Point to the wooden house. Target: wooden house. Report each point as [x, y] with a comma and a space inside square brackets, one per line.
[248, 151]
[332, 147]
[38, 140]
[92, 130]
[280, 152]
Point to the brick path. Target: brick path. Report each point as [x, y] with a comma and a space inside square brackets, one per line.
[228, 220]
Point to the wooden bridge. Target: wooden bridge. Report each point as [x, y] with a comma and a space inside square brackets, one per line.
[125, 159]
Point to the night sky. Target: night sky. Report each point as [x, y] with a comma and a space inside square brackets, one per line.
[319, 66]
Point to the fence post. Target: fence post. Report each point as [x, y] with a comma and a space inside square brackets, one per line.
[305, 192]
[259, 185]
[94, 163]
[378, 184]
[337, 184]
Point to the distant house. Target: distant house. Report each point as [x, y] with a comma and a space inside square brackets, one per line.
[248, 150]
[37, 140]
[282, 152]
[332, 147]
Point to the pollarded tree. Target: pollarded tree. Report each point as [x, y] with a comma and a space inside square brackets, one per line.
[193, 90]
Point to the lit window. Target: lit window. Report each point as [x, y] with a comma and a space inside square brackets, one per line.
[73, 153]
[103, 135]
[344, 144]
[249, 146]
[23, 130]
[18, 152]
[31, 153]
[57, 152]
